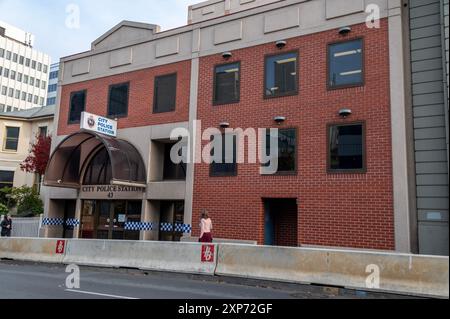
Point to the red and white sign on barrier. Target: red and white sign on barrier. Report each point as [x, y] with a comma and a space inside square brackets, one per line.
[60, 247]
[208, 253]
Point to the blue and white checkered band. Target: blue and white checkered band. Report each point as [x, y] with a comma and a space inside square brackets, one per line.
[165, 227]
[72, 222]
[136, 226]
[53, 221]
[183, 228]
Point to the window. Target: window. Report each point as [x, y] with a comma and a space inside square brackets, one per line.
[21, 60]
[17, 96]
[19, 77]
[172, 171]
[13, 75]
[15, 57]
[51, 101]
[346, 147]
[345, 64]
[33, 65]
[77, 105]
[11, 92]
[118, 100]
[11, 138]
[6, 179]
[53, 75]
[36, 99]
[1, 71]
[38, 83]
[165, 93]
[39, 67]
[31, 81]
[25, 79]
[24, 96]
[44, 85]
[227, 83]
[27, 62]
[281, 75]
[228, 162]
[9, 108]
[52, 87]
[4, 90]
[30, 97]
[6, 73]
[2, 108]
[8, 55]
[41, 101]
[43, 131]
[287, 149]
[45, 69]
[2, 53]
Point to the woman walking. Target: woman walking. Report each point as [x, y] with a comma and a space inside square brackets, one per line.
[205, 228]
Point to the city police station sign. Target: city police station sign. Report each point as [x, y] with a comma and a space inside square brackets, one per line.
[98, 124]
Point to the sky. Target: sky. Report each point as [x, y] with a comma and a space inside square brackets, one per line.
[55, 22]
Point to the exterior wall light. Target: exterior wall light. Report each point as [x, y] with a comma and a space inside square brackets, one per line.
[224, 125]
[345, 30]
[279, 119]
[281, 44]
[345, 113]
[227, 55]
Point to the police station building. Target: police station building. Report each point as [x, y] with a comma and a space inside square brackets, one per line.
[330, 79]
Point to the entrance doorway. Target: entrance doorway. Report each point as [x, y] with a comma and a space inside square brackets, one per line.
[281, 222]
[106, 219]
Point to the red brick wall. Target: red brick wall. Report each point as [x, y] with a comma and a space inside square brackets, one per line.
[140, 104]
[349, 210]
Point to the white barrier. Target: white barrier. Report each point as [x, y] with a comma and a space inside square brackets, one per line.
[365, 270]
[32, 249]
[160, 256]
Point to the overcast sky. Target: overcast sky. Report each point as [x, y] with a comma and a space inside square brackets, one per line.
[47, 19]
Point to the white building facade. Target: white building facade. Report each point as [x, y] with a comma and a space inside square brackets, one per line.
[24, 71]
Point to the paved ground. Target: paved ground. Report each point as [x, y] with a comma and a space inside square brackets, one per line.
[19, 280]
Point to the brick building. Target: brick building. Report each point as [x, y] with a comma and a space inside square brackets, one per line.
[335, 89]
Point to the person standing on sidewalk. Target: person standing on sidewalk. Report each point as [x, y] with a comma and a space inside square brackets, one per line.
[6, 226]
[205, 228]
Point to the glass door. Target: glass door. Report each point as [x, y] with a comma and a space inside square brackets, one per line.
[104, 220]
[118, 219]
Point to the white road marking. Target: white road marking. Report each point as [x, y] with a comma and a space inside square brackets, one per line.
[98, 294]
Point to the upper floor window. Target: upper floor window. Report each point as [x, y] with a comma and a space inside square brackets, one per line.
[346, 147]
[27, 62]
[33, 64]
[43, 131]
[2, 53]
[11, 142]
[39, 67]
[281, 75]
[2, 108]
[118, 100]
[52, 87]
[227, 83]
[45, 68]
[8, 55]
[345, 64]
[21, 60]
[51, 101]
[165, 93]
[53, 75]
[77, 105]
[224, 160]
[15, 57]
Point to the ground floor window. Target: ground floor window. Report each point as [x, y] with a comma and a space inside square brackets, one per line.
[6, 179]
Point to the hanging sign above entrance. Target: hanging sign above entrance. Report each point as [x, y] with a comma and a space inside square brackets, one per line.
[98, 124]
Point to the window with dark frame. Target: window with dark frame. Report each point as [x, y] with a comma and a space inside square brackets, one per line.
[118, 100]
[172, 171]
[77, 106]
[43, 131]
[227, 83]
[6, 179]
[165, 93]
[287, 150]
[346, 147]
[281, 75]
[228, 165]
[11, 138]
[345, 64]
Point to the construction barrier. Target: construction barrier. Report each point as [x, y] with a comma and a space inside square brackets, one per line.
[147, 255]
[364, 270]
[33, 249]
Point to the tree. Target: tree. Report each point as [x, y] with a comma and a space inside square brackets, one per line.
[37, 161]
[28, 201]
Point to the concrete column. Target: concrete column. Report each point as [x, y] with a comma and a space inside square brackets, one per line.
[78, 212]
[401, 138]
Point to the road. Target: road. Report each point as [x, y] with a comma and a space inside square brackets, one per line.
[20, 280]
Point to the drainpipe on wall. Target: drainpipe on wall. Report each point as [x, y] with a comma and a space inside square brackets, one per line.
[444, 69]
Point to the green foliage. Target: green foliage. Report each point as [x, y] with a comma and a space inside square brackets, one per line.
[3, 209]
[8, 202]
[28, 201]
